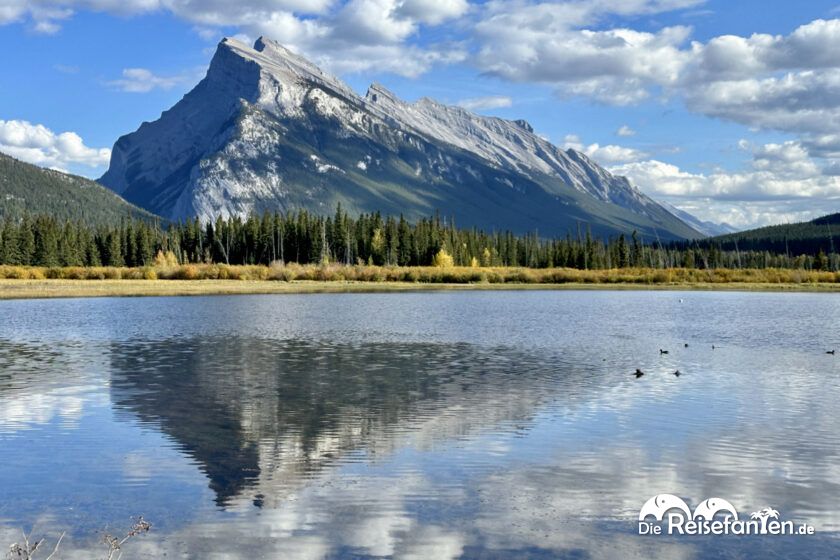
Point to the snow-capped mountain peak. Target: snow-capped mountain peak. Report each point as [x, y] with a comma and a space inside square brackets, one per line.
[268, 129]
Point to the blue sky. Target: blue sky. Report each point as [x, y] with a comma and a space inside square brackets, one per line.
[725, 109]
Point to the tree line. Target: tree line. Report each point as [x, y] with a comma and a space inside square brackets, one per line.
[804, 238]
[303, 237]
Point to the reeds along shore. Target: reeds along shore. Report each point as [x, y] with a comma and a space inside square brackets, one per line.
[428, 275]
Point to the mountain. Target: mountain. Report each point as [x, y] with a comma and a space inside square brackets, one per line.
[26, 188]
[708, 229]
[268, 130]
[821, 234]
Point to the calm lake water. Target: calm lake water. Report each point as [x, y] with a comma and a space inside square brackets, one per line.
[418, 425]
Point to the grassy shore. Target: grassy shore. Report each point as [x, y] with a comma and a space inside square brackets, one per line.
[34, 282]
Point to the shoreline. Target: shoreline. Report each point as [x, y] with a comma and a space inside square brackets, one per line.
[12, 289]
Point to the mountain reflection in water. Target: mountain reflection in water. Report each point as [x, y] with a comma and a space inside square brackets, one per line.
[261, 416]
[434, 425]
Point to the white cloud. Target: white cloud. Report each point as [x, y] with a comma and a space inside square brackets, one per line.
[142, 80]
[488, 102]
[11, 11]
[605, 155]
[783, 182]
[788, 82]
[212, 12]
[38, 144]
[789, 159]
[546, 43]
[433, 12]
[369, 34]
[625, 131]
[345, 37]
[805, 103]
[372, 22]
[404, 60]
[810, 46]
[614, 154]
[46, 27]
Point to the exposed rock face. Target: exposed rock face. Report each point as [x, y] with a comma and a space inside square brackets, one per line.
[268, 130]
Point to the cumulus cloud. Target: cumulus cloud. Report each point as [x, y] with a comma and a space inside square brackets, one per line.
[488, 102]
[547, 43]
[789, 83]
[372, 22]
[805, 104]
[605, 155]
[810, 46]
[783, 182]
[614, 154]
[38, 144]
[349, 36]
[369, 34]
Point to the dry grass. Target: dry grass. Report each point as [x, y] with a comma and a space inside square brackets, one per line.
[197, 279]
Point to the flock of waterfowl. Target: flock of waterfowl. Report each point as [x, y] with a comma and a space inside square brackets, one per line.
[639, 373]
[676, 373]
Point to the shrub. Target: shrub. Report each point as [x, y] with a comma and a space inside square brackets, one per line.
[187, 272]
[166, 259]
[112, 273]
[443, 259]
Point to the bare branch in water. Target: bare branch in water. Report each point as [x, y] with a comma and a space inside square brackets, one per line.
[55, 550]
[140, 527]
[27, 550]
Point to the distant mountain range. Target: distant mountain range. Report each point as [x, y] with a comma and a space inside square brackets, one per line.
[26, 188]
[268, 130]
[708, 229]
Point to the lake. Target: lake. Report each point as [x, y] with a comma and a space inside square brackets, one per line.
[418, 425]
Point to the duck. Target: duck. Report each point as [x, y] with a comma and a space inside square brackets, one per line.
[677, 373]
[661, 351]
[830, 352]
[638, 373]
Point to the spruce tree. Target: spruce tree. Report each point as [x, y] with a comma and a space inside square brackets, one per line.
[10, 250]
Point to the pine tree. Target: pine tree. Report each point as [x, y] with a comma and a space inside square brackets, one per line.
[10, 250]
[26, 241]
[113, 250]
[46, 242]
[622, 253]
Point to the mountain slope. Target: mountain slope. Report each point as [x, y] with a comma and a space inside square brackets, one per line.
[821, 234]
[26, 188]
[268, 130]
[708, 229]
